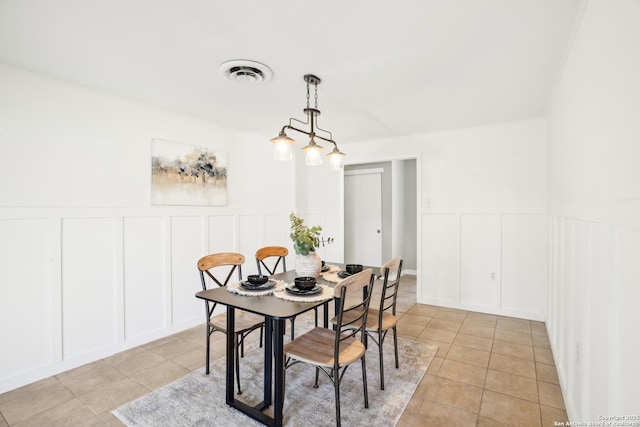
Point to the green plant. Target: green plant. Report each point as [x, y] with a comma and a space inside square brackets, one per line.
[305, 239]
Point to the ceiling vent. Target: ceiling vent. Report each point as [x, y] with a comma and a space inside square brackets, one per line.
[246, 72]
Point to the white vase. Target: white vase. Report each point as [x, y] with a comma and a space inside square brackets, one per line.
[308, 265]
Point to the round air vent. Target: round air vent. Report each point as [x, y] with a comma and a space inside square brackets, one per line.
[246, 72]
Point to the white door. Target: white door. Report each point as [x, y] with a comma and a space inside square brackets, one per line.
[363, 217]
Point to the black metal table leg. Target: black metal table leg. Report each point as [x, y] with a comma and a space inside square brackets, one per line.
[231, 354]
[278, 343]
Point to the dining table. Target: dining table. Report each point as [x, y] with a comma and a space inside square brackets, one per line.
[275, 311]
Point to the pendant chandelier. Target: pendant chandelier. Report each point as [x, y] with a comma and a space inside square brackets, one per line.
[313, 151]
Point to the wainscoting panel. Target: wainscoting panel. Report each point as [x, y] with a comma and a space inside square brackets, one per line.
[222, 234]
[626, 321]
[249, 232]
[596, 349]
[187, 243]
[89, 294]
[145, 285]
[479, 277]
[524, 260]
[26, 317]
[441, 258]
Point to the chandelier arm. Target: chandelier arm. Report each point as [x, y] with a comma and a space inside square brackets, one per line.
[325, 131]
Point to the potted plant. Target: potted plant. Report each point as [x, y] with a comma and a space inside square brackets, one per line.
[305, 242]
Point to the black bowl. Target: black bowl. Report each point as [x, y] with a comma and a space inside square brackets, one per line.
[256, 279]
[354, 268]
[305, 283]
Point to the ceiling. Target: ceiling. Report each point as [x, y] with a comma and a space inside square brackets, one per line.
[387, 68]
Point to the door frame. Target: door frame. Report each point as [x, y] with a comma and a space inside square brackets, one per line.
[368, 171]
[408, 156]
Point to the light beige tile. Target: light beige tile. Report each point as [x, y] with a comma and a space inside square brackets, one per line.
[90, 379]
[512, 365]
[463, 372]
[409, 331]
[513, 385]
[547, 373]
[435, 365]
[543, 355]
[71, 413]
[539, 329]
[113, 395]
[469, 355]
[134, 361]
[436, 335]
[412, 319]
[433, 413]
[481, 319]
[451, 314]
[509, 410]
[160, 375]
[488, 422]
[552, 416]
[550, 395]
[423, 310]
[479, 343]
[174, 348]
[444, 324]
[195, 359]
[477, 330]
[454, 393]
[27, 389]
[541, 341]
[35, 402]
[511, 349]
[513, 325]
[523, 338]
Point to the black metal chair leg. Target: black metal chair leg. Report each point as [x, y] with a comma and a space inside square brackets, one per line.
[237, 344]
[364, 383]
[317, 377]
[395, 345]
[336, 386]
[381, 363]
[293, 331]
[206, 371]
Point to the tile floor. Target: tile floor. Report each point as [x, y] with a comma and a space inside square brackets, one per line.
[489, 371]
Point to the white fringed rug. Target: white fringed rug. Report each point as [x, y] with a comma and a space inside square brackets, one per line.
[199, 400]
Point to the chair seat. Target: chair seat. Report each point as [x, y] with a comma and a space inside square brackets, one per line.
[245, 321]
[316, 347]
[388, 319]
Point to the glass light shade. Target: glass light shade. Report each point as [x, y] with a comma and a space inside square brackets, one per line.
[282, 147]
[313, 154]
[335, 159]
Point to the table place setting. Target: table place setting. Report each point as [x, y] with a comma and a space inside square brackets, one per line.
[256, 286]
[335, 274]
[304, 289]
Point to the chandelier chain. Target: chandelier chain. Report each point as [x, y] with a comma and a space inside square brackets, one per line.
[316, 95]
[308, 94]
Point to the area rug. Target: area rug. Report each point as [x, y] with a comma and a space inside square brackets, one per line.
[199, 400]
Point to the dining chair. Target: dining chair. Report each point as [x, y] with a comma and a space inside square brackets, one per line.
[245, 322]
[269, 258]
[332, 351]
[383, 319]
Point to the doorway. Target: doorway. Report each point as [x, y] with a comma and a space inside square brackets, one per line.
[398, 196]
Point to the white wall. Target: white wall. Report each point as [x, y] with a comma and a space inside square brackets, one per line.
[77, 230]
[483, 195]
[594, 127]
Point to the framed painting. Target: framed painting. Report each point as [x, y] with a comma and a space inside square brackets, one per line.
[184, 174]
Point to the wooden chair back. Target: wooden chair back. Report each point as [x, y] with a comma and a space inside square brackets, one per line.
[269, 252]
